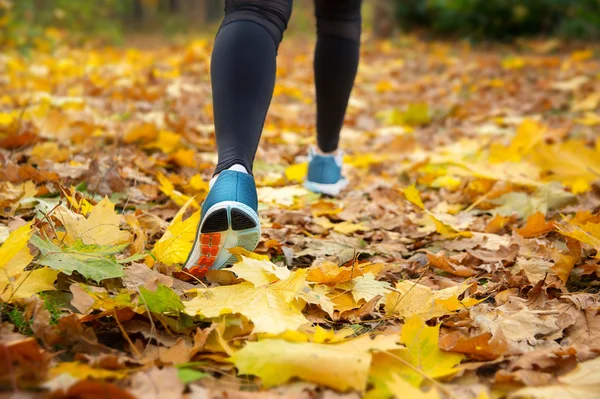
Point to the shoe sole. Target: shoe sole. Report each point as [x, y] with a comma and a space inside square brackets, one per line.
[330, 189]
[227, 224]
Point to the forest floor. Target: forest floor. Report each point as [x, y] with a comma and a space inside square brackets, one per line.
[461, 262]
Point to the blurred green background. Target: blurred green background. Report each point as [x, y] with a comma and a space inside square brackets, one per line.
[22, 22]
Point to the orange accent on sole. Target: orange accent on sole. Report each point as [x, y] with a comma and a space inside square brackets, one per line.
[209, 250]
[199, 271]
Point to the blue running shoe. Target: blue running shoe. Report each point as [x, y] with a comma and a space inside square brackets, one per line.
[325, 174]
[229, 219]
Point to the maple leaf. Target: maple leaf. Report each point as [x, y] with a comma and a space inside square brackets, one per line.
[581, 383]
[365, 287]
[175, 245]
[169, 190]
[332, 274]
[412, 195]
[588, 233]
[413, 299]
[163, 300]
[259, 272]
[84, 371]
[96, 262]
[343, 227]
[400, 388]
[270, 308]
[422, 359]
[529, 134]
[536, 226]
[100, 227]
[297, 172]
[341, 366]
[15, 283]
[572, 163]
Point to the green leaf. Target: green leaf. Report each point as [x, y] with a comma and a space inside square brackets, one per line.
[132, 258]
[189, 375]
[163, 300]
[95, 262]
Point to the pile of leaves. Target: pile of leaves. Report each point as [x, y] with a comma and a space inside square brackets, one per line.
[462, 262]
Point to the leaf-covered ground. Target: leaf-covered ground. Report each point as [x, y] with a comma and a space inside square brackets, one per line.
[462, 262]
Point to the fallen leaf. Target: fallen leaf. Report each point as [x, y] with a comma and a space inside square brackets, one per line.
[421, 360]
[100, 227]
[583, 382]
[270, 308]
[412, 299]
[259, 272]
[340, 366]
[16, 283]
[481, 347]
[536, 226]
[441, 262]
[164, 300]
[83, 371]
[175, 245]
[95, 262]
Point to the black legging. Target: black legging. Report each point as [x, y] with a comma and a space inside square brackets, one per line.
[244, 64]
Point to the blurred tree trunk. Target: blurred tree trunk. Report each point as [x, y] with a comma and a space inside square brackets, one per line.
[195, 10]
[383, 19]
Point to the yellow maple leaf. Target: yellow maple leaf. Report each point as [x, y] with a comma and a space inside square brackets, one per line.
[411, 193]
[512, 62]
[365, 287]
[259, 272]
[401, 388]
[364, 160]
[572, 163]
[15, 283]
[345, 227]
[175, 245]
[421, 359]
[83, 371]
[169, 189]
[341, 366]
[184, 157]
[589, 103]
[296, 172]
[529, 134]
[410, 299]
[100, 227]
[588, 233]
[144, 132]
[83, 206]
[49, 150]
[270, 308]
[589, 119]
[166, 142]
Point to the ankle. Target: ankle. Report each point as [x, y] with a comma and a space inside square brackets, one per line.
[327, 153]
[236, 167]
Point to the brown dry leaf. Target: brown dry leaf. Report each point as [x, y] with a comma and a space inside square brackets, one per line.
[441, 262]
[480, 347]
[22, 361]
[157, 384]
